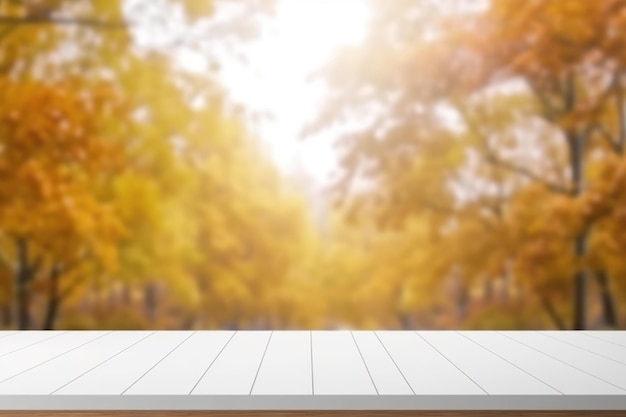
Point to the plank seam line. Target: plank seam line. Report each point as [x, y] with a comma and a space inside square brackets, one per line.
[582, 348]
[158, 362]
[261, 363]
[568, 364]
[8, 334]
[213, 361]
[311, 349]
[33, 344]
[104, 361]
[394, 362]
[508, 361]
[53, 358]
[602, 339]
[453, 364]
[363, 359]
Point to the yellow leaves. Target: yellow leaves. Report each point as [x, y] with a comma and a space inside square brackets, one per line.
[63, 133]
[184, 289]
[138, 200]
[106, 10]
[198, 8]
[52, 164]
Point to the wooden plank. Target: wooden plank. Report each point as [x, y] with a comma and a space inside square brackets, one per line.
[598, 346]
[286, 367]
[25, 339]
[235, 368]
[560, 376]
[385, 374]
[160, 372]
[39, 353]
[603, 368]
[490, 372]
[6, 333]
[616, 337]
[337, 365]
[178, 373]
[315, 413]
[54, 374]
[114, 376]
[426, 370]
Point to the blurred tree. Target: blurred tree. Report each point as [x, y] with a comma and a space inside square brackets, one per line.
[435, 60]
[52, 162]
[153, 190]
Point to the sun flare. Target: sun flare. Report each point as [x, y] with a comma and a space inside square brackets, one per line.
[315, 27]
[299, 39]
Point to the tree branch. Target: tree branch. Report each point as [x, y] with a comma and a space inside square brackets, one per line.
[36, 265]
[71, 287]
[527, 173]
[72, 21]
[569, 91]
[605, 135]
[5, 260]
[554, 315]
[491, 158]
[621, 114]
[550, 110]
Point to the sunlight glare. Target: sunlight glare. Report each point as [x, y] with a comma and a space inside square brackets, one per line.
[300, 39]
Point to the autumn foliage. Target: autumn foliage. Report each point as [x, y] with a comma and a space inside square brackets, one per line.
[487, 189]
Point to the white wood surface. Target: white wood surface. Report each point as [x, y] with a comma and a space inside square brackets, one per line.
[36, 354]
[591, 363]
[387, 378]
[597, 346]
[561, 376]
[227, 370]
[7, 333]
[178, 373]
[235, 368]
[337, 365]
[115, 375]
[426, 370]
[52, 375]
[500, 378]
[286, 367]
[618, 338]
[21, 340]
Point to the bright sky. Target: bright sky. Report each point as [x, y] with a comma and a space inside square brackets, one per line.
[302, 37]
[294, 43]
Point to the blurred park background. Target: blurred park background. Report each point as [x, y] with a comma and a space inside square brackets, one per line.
[312, 164]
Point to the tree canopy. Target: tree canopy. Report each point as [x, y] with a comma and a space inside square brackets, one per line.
[481, 188]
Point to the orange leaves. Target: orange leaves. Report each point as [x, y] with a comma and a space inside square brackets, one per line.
[52, 123]
[52, 161]
[544, 38]
[197, 9]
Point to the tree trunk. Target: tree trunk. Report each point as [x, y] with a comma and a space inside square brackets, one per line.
[488, 290]
[112, 298]
[406, 321]
[462, 302]
[580, 288]
[609, 310]
[22, 277]
[7, 320]
[188, 322]
[126, 295]
[54, 299]
[505, 281]
[150, 300]
[554, 315]
[576, 149]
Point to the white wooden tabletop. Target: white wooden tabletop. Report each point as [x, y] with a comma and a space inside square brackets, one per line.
[303, 370]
